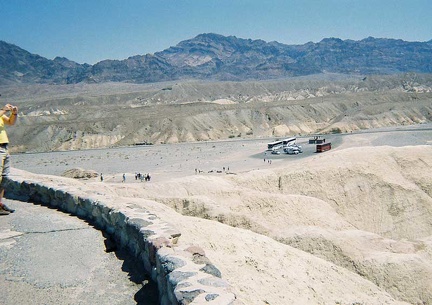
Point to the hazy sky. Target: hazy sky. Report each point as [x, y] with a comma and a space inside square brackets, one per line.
[88, 31]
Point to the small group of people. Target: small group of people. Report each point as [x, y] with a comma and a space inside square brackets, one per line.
[142, 177]
[138, 176]
[8, 116]
[224, 170]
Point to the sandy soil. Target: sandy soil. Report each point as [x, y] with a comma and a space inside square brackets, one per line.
[168, 161]
[349, 226]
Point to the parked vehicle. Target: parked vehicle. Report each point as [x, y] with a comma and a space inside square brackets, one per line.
[293, 149]
[279, 143]
[316, 140]
[323, 147]
[275, 145]
[275, 152]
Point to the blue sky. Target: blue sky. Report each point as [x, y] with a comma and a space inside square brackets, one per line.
[88, 31]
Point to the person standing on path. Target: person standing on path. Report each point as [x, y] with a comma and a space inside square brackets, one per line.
[4, 151]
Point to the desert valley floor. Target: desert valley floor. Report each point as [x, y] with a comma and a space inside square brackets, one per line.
[349, 226]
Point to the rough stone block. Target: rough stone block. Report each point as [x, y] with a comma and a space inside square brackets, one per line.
[80, 212]
[146, 262]
[188, 296]
[213, 281]
[170, 263]
[176, 277]
[212, 270]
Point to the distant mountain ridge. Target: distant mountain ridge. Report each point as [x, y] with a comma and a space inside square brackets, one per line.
[217, 57]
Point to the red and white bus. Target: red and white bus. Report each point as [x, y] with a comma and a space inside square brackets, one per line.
[323, 147]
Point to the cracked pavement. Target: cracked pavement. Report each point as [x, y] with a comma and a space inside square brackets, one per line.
[49, 257]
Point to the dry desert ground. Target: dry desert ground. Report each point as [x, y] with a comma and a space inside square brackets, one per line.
[349, 226]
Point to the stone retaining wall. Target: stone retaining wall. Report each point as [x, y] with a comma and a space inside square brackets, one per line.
[184, 274]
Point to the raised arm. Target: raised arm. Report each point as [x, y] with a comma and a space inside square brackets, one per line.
[11, 119]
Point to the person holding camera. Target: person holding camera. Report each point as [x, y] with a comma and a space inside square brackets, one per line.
[8, 116]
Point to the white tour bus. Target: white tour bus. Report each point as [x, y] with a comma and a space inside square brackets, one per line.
[281, 143]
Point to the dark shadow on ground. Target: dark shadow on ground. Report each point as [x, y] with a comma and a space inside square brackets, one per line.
[149, 293]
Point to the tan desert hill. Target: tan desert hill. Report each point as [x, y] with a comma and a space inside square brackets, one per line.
[111, 115]
[367, 211]
[349, 226]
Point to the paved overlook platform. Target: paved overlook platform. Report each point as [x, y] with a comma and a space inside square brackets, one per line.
[50, 257]
[184, 275]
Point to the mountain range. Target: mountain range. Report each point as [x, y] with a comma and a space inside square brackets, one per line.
[224, 58]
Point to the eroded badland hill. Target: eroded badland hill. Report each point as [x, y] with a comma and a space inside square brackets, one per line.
[361, 218]
[87, 116]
